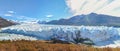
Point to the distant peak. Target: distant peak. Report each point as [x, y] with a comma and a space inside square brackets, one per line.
[92, 14]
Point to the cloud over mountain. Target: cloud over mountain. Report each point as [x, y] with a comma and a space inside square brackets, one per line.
[108, 7]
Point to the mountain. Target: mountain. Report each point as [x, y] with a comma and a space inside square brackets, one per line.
[92, 19]
[5, 23]
[42, 22]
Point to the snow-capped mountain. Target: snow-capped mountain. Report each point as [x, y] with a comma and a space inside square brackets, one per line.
[30, 21]
[100, 35]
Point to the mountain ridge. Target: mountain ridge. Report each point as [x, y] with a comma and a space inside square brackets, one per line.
[92, 19]
[5, 23]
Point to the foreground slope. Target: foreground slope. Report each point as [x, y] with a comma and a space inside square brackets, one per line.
[43, 46]
[100, 35]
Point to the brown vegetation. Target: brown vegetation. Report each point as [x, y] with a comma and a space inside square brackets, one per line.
[43, 46]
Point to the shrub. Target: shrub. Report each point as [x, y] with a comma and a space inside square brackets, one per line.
[79, 39]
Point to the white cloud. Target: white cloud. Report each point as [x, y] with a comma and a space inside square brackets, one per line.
[49, 16]
[12, 14]
[9, 13]
[25, 18]
[108, 7]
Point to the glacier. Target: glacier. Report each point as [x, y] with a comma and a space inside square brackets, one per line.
[101, 35]
[14, 37]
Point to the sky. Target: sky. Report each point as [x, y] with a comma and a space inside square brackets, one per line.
[106, 7]
[47, 10]
[44, 10]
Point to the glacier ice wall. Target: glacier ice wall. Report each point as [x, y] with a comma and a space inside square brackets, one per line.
[100, 35]
[14, 37]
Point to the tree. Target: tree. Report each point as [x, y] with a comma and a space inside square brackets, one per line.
[79, 39]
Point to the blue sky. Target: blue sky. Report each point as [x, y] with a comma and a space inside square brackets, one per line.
[46, 10]
[34, 9]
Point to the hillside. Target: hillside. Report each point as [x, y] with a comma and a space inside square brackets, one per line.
[5, 23]
[44, 46]
[92, 19]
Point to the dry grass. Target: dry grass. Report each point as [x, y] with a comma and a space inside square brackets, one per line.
[43, 46]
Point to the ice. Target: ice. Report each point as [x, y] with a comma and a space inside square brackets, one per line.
[100, 35]
[14, 37]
